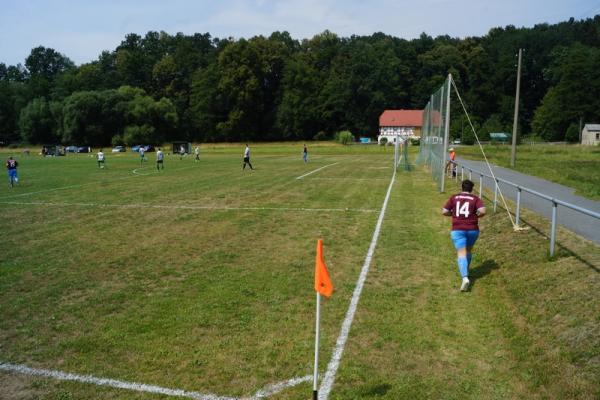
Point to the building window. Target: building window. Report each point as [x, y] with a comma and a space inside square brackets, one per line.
[597, 136]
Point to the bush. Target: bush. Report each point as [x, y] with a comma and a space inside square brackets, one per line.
[344, 137]
[572, 134]
[415, 141]
[468, 137]
[136, 134]
[383, 141]
[321, 136]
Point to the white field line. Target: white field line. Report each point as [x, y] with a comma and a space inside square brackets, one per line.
[348, 179]
[278, 387]
[141, 387]
[317, 170]
[334, 363]
[138, 387]
[184, 207]
[135, 171]
[135, 175]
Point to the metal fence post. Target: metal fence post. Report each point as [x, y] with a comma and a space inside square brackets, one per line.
[495, 195]
[480, 185]
[518, 212]
[553, 229]
[462, 173]
[470, 175]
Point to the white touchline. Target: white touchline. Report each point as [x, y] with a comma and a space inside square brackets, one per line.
[349, 179]
[334, 363]
[141, 387]
[278, 387]
[316, 170]
[184, 207]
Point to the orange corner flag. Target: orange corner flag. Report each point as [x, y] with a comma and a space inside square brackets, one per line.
[323, 283]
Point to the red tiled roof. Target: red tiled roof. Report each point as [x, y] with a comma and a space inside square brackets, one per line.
[401, 118]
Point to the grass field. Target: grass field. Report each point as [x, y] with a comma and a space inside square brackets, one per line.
[199, 277]
[570, 165]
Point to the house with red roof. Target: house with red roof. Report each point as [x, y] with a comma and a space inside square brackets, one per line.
[400, 123]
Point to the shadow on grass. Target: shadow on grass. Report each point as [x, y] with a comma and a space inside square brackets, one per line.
[563, 250]
[377, 390]
[482, 270]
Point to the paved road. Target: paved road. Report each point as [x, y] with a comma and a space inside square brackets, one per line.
[584, 225]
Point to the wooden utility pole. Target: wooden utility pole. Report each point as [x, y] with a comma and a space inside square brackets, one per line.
[513, 152]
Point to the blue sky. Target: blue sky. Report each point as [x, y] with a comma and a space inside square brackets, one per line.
[83, 29]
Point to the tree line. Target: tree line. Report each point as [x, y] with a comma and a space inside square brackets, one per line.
[163, 87]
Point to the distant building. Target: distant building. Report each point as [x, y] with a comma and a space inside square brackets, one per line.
[590, 135]
[499, 137]
[403, 123]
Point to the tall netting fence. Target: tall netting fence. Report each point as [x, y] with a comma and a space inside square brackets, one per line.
[402, 161]
[434, 134]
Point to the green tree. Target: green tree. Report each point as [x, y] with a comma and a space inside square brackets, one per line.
[44, 66]
[83, 119]
[576, 79]
[36, 122]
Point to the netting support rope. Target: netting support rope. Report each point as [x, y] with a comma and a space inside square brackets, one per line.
[515, 226]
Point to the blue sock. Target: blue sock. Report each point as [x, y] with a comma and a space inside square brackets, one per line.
[469, 256]
[463, 266]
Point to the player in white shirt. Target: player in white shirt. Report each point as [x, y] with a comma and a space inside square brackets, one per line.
[159, 159]
[100, 158]
[247, 158]
[197, 151]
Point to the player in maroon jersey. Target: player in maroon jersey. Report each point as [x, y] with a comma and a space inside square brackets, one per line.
[465, 209]
[11, 166]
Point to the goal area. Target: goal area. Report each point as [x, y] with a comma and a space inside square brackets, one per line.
[182, 148]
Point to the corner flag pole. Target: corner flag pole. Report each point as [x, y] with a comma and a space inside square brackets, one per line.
[317, 339]
[323, 286]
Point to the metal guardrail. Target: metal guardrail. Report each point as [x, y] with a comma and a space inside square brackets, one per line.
[554, 202]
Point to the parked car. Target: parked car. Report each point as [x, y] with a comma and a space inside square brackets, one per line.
[71, 149]
[84, 149]
[456, 141]
[118, 149]
[146, 147]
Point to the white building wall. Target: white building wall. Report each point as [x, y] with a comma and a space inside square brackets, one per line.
[590, 137]
[391, 132]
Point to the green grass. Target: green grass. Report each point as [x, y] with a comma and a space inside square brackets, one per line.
[109, 278]
[570, 165]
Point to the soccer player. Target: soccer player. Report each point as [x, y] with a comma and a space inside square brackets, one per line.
[450, 163]
[247, 157]
[181, 152]
[11, 166]
[465, 209]
[305, 154]
[142, 158]
[197, 151]
[100, 158]
[159, 160]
